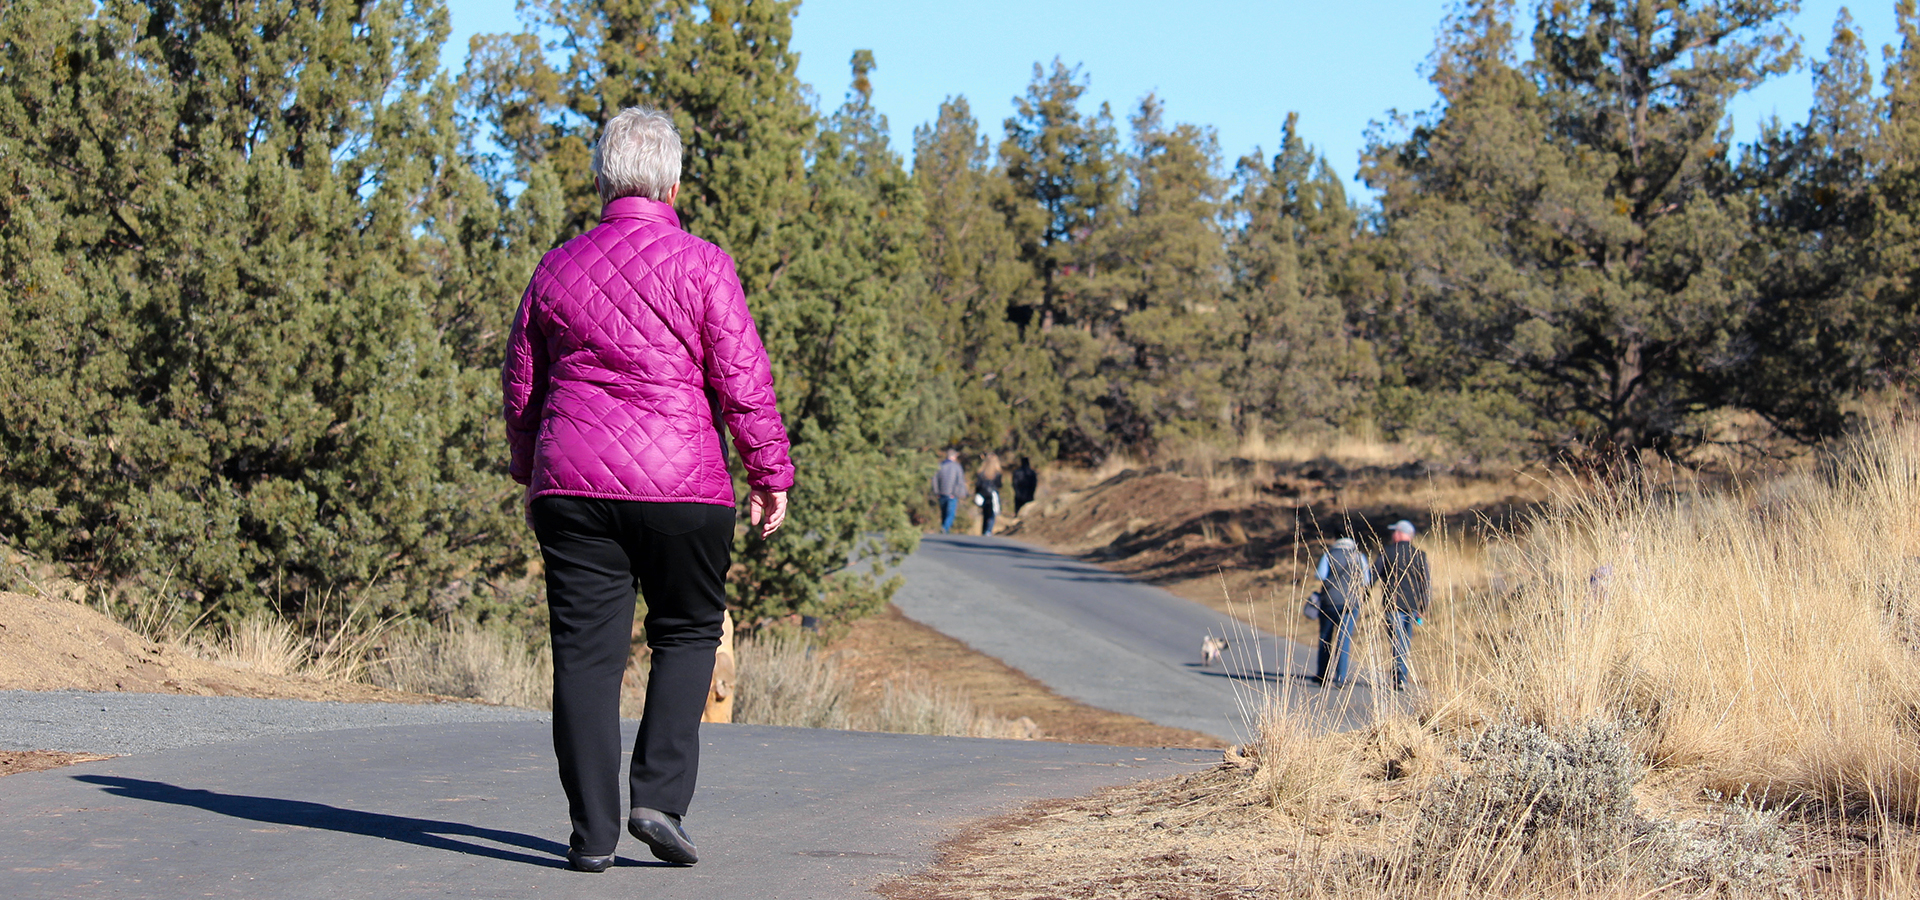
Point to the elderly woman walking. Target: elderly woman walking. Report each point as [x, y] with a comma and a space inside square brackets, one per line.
[632, 346]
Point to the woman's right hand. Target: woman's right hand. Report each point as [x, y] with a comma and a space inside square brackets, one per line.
[770, 506]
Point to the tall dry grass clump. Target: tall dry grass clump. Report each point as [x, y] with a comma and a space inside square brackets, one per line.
[786, 679]
[1763, 637]
[274, 645]
[468, 661]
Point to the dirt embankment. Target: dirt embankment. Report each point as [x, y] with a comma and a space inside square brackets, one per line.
[50, 644]
[1241, 536]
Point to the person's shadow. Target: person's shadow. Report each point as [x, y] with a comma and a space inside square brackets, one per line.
[427, 833]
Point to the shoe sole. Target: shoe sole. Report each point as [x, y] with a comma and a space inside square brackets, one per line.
[660, 838]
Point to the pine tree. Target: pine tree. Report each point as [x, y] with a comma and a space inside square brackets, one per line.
[224, 239]
[1300, 365]
[842, 319]
[1159, 272]
[1064, 165]
[1891, 286]
[977, 285]
[1441, 252]
[1065, 169]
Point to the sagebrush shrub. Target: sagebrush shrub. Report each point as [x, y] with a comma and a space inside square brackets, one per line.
[1528, 798]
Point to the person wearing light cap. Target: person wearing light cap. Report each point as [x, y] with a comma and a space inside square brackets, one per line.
[1406, 588]
[1344, 575]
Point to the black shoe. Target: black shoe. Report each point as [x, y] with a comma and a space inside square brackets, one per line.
[580, 862]
[664, 833]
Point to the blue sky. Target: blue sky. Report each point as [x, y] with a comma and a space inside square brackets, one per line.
[1236, 65]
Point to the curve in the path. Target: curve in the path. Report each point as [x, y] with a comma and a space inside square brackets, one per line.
[1106, 640]
[475, 811]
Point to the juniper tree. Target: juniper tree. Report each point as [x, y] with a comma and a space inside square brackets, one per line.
[1815, 339]
[225, 241]
[1891, 286]
[1571, 227]
[844, 319]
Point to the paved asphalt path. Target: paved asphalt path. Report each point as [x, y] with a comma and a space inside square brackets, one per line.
[475, 810]
[1108, 641]
[243, 798]
[121, 723]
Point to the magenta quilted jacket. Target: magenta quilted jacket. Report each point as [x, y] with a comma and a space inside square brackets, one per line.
[632, 345]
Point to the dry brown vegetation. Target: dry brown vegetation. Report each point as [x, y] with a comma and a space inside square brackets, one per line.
[13, 762]
[1665, 688]
[54, 640]
[51, 642]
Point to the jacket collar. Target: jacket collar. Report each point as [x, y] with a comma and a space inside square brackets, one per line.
[640, 208]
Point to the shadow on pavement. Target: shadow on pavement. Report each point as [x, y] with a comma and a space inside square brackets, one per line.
[1074, 574]
[1252, 674]
[1037, 560]
[429, 833]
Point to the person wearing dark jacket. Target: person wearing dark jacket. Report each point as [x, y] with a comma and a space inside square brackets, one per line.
[1344, 574]
[1406, 587]
[986, 492]
[1025, 483]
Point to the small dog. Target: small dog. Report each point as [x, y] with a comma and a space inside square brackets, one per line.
[1210, 650]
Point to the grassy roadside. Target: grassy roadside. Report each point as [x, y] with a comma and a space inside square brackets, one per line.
[885, 673]
[1653, 690]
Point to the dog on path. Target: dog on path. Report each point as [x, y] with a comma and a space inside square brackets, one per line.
[1210, 650]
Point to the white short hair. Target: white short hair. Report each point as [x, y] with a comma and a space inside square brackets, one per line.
[638, 155]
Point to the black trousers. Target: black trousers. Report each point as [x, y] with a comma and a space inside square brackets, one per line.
[597, 553]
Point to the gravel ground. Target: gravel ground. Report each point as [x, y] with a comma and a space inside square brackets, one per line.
[118, 723]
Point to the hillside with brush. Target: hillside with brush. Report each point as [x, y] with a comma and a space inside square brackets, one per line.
[1643, 690]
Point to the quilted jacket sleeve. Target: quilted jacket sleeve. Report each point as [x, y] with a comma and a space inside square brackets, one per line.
[740, 377]
[523, 384]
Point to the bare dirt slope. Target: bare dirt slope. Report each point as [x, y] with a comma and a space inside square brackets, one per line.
[57, 644]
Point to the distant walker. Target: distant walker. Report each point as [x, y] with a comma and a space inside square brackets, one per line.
[1344, 574]
[949, 484]
[1406, 590]
[1026, 483]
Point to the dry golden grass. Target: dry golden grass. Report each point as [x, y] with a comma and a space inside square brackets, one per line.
[275, 646]
[1763, 636]
[1657, 689]
[467, 661]
[1363, 448]
[786, 679]
[1752, 646]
